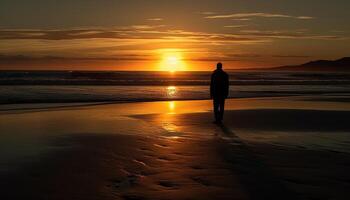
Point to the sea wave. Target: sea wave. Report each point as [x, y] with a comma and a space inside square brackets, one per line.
[83, 93]
[166, 78]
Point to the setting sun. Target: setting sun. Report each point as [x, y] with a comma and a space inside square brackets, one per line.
[172, 61]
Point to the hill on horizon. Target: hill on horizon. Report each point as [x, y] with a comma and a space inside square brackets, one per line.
[340, 65]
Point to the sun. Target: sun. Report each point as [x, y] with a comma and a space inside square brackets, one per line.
[172, 62]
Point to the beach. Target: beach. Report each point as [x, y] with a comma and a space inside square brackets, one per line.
[174, 100]
[267, 148]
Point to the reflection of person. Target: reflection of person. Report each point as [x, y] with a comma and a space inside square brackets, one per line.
[219, 87]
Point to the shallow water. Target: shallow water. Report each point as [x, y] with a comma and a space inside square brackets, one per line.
[80, 93]
[65, 86]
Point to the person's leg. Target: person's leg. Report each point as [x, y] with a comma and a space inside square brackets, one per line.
[222, 109]
[216, 109]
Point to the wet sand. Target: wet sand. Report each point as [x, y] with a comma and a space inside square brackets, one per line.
[268, 148]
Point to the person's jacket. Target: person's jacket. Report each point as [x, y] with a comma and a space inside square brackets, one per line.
[219, 84]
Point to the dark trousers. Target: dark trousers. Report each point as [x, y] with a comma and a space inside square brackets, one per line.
[219, 107]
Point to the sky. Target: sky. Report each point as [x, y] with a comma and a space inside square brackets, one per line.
[170, 35]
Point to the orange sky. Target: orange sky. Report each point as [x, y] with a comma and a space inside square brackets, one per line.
[169, 35]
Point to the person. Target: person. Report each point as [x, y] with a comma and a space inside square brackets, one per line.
[219, 87]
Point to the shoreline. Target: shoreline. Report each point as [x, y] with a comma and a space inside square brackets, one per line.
[30, 106]
[38, 107]
[96, 94]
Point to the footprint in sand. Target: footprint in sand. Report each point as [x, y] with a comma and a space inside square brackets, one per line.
[144, 149]
[140, 162]
[163, 158]
[161, 145]
[133, 197]
[126, 182]
[201, 181]
[197, 167]
[168, 184]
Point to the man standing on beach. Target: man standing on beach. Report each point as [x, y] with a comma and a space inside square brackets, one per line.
[219, 87]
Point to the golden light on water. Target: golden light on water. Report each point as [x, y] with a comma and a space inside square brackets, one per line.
[171, 106]
[171, 91]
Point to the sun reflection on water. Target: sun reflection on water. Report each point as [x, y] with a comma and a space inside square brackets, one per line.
[171, 91]
[171, 106]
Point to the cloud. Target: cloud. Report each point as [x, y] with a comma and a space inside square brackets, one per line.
[206, 13]
[135, 42]
[291, 56]
[197, 55]
[26, 59]
[122, 32]
[255, 14]
[155, 19]
[139, 27]
[305, 17]
[117, 57]
[215, 56]
[242, 19]
[235, 26]
[137, 34]
[298, 34]
[225, 57]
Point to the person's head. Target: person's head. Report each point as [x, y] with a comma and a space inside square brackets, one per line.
[219, 66]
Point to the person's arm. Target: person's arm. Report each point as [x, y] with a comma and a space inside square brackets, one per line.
[227, 85]
[211, 86]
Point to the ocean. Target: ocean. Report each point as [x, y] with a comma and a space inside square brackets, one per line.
[124, 86]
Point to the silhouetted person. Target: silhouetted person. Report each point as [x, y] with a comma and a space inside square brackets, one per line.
[219, 86]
